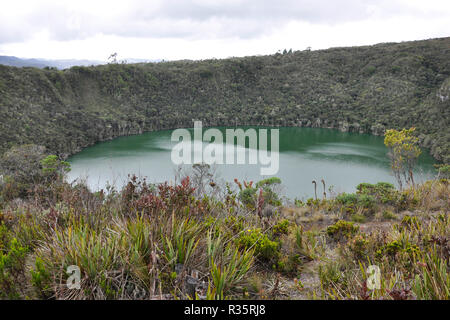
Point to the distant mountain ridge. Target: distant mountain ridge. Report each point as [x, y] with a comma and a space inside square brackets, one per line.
[60, 63]
[42, 63]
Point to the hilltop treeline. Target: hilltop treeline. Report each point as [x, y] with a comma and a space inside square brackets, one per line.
[362, 89]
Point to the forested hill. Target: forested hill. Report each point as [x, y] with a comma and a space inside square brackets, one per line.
[362, 89]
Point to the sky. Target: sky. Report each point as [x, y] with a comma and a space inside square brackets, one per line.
[203, 29]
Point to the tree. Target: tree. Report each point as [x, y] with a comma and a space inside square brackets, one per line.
[443, 170]
[112, 58]
[53, 168]
[403, 153]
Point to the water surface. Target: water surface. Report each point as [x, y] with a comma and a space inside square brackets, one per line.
[343, 160]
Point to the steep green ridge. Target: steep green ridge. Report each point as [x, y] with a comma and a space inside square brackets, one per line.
[363, 89]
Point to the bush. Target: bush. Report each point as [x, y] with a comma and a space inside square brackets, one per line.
[396, 246]
[347, 199]
[358, 218]
[41, 280]
[359, 246]
[407, 200]
[342, 229]
[53, 168]
[281, 227]
[267, 195]
[264, 247]
[361, 200]
[12, 261]
[382, 191]
[389, 215]
[351, 202]
[444, 171]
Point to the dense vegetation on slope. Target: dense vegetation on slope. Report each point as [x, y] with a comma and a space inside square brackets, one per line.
[172, 241]
[363, 89]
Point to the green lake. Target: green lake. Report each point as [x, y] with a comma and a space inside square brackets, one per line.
[343, 160]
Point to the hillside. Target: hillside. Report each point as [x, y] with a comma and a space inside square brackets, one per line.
[364, 89]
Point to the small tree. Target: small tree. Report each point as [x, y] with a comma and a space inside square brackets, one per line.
[443, 170]
[53, 168]
[403, 153]
[113, 58]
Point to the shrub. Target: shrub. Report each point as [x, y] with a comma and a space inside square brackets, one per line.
[396, 246]
[358, 218]
[359, 246]
[41, 280]
[347, 199]
[444, 171]
[53, 168]
[382, 191]
[366, 201]
[140, 197]
[312, 202]
[249, 195]
[264, 247]
[281, 227]
[352, 201]
[389, 215]
[407, 200]
[12, 260]
[342, 229]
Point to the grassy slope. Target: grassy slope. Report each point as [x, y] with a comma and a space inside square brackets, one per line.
[142, 244]
[363, 89]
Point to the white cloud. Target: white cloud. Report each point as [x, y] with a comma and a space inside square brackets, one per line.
[199, 29]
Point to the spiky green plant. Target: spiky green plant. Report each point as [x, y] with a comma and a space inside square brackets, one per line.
[231, 272]
[433, 282]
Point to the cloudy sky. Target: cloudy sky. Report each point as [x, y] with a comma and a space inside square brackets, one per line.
[198, 29]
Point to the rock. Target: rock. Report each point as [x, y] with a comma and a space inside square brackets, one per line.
[377, 129]
[343, 126]
[190, 285]
[268, 211]
[179, 268]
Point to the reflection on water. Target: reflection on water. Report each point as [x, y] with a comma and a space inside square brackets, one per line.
[343, 160]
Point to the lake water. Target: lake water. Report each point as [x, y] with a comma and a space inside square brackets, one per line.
[343, 160]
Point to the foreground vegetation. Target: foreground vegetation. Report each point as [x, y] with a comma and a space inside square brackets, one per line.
[227, 242]
[361, 89]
